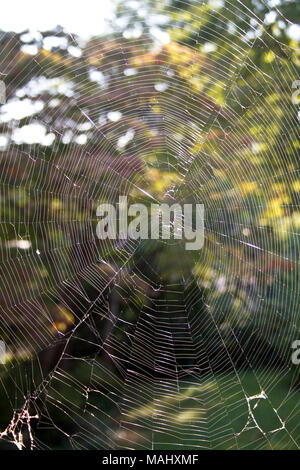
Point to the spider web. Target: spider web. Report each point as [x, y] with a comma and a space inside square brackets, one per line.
[140, 344]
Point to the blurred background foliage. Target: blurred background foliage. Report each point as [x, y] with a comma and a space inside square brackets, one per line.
[189, 101]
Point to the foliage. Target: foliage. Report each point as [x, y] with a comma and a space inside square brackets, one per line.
[188, 119]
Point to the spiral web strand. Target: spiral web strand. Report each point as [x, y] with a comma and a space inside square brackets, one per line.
[138, 344]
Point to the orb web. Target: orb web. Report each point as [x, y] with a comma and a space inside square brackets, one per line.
[140, 344]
